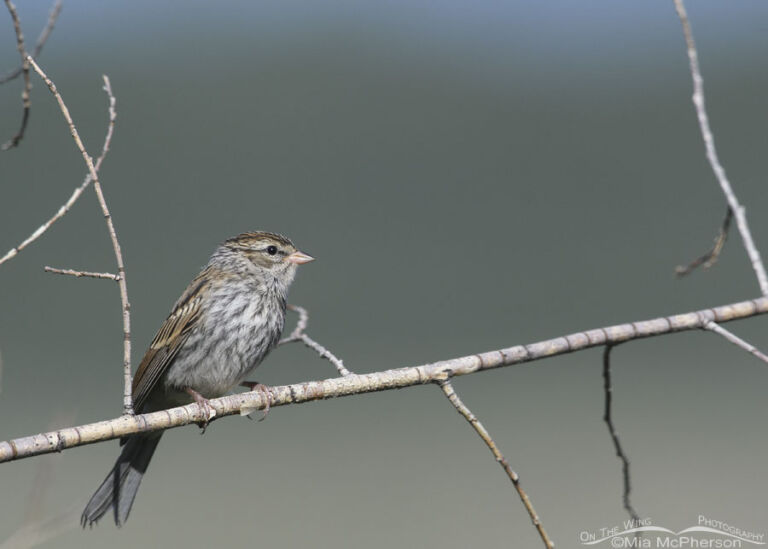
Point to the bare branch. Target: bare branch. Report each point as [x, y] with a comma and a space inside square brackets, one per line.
[298, 335]
[41, 40]
[614, 435]
[736, 340]
[25, 100]
[449, 392]
[127, 399]
[356, 384]
[79, 274]
[714, 162]
[711, 257]
[13, 252]
[301, 324]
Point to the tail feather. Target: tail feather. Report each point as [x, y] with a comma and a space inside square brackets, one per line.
[119, 488]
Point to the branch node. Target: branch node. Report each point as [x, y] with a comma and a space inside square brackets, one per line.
[736, 340]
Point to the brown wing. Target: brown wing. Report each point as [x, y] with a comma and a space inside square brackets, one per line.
[169, 339]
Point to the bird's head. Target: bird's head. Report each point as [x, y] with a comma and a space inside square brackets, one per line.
[264, 253]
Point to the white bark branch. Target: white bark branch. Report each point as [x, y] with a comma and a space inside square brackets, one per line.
[736, 340]
[126, 306]
[471, 418]
[125, 425]
[79, 274]
[714, 161]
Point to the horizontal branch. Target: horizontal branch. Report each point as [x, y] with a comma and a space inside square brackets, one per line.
[355, 384]
[79, 274]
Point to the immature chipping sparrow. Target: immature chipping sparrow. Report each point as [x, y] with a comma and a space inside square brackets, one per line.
[224, 324]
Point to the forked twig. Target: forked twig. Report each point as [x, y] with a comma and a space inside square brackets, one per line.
[41, 40]
[127, 399]
[13, 252]
[450, 393]
[608, 418]
[714, 162]
[736, 340]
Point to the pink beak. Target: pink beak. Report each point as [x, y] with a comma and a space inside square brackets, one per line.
[299, 257]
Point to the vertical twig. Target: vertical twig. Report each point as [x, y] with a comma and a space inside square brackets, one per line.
[614, 436]
[714, 162]
[449, 392]
[25, 100]
[126, 307]
[41, 40]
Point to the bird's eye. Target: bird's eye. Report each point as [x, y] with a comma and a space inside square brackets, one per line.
[271, 250]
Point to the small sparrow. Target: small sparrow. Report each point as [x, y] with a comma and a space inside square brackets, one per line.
[224, 324]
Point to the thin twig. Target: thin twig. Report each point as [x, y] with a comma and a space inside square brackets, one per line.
[127, 399]
[41, 40]
[627, 487]
[736, 340]
[79, 274]
[301, 324]
[357, 384]
[709, 143]
[298, 335]
[450, 393]
[13, 252]
[712, 255]
[25, 100]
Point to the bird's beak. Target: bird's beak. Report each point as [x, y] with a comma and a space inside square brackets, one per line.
[299, 257]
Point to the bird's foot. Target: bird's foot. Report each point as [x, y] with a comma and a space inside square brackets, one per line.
[263, 389]
[205, 407]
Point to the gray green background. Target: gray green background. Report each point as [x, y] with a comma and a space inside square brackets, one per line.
[469, 176]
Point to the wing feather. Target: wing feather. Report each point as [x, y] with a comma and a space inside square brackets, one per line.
[169, 339]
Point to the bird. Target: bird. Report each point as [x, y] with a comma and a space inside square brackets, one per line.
[227, 320]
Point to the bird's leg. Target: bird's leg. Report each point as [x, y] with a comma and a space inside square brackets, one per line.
[205, 407]
[263, 389]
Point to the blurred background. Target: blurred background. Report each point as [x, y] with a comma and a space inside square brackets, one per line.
[470, 176]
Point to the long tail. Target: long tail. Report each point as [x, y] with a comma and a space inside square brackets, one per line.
[119, 488]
